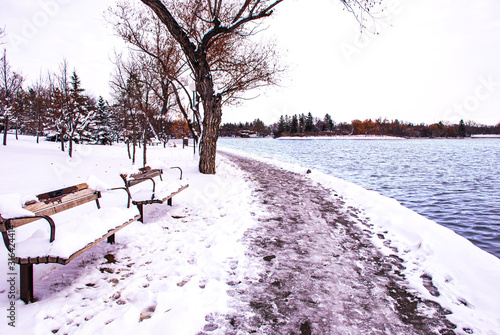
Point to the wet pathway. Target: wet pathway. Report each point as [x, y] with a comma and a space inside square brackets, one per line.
[321, 273]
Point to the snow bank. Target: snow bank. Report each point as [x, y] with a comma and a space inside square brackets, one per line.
[11, 206]
[466, 276]
[164, 276]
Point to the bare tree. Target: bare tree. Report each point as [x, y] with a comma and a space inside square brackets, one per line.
[161, 59]
[10, 83]
[37, 101]
[61, 94]
[214, 37]
[131, 85]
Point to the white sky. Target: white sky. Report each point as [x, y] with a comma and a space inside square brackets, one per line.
[437, 60]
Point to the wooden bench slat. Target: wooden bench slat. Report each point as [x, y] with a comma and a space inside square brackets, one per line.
[149, 173]
[53, 207]
[42, 205]
[63, 191]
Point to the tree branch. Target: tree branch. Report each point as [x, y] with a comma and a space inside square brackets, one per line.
[173, 27]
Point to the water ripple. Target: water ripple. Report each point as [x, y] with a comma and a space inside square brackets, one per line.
[455, 183]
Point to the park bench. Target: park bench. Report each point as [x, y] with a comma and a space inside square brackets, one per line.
[148, 187]
[77, 231]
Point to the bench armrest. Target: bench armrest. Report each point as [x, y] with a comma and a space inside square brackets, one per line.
[154, 184]
[176, 167]
[126, 190]
[8, 226]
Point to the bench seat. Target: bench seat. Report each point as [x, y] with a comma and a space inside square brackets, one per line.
[58, 227]
[149, 187]
[73, 232]
[142, 192]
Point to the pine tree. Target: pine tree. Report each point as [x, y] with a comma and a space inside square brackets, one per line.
[302, 123]
[309, 123]
[101, 126]
[327, 123]
[461, 129]
[79, 113]
[294, 127]
[281, 127]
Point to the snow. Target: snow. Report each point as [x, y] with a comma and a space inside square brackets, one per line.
[73, 232]
[342, 137]
[11, 206]
[143, 191]
[466, 276]
[485, 136]
[167, 275]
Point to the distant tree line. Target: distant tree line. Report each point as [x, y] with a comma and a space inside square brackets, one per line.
[256, 128]
[307, 125]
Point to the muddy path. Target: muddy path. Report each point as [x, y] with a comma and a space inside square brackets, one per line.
[322, 275]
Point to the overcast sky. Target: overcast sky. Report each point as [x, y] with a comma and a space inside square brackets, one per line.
[433, 60]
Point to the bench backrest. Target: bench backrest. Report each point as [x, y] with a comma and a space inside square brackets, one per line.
[145, 174]
[58, 201]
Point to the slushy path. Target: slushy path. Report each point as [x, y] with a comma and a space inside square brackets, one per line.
[322, 274]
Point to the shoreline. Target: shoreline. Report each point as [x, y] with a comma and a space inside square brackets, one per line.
[433, 255]
[343, 137]
[367, 137]
[315, 246]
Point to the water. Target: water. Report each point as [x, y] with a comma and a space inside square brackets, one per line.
[454, 182]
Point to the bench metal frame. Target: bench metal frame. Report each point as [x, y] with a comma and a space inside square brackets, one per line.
[51, 203]
[143, 175]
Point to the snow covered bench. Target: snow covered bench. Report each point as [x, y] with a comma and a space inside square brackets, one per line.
[36, 239]
[144, 189]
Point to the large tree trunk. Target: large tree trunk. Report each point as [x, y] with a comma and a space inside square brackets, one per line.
[210, 134]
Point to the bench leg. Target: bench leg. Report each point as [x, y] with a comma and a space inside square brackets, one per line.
[169, 202]
[111, 239]
[141, 212]
[26, 275]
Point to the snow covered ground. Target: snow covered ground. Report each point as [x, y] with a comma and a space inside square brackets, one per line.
[167, 275]
[163, 276]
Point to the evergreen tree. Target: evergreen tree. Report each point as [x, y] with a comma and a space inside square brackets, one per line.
[461, 129]
[309, 123]
[79, 113]
[294, 126]
[327, 123]
[281, 126]
[302, 123]
[101, 126]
